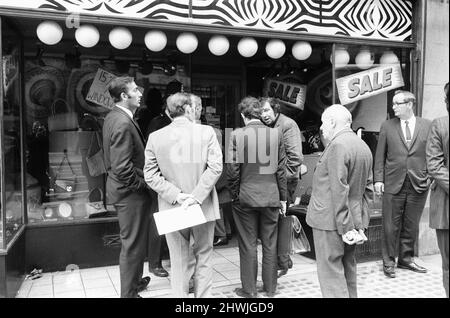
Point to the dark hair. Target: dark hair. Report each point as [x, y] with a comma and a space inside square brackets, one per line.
[250, 107]
[273, 102]
[119, 86]
[176, 104]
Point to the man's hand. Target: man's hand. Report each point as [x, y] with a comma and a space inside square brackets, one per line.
[283, 208]
[181, 197]
[350, 237]
[379, 188]
[189, 201]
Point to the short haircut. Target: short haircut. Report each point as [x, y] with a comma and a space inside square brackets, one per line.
[273, 102]
[407, 96]
[339, 113]
[176, 104]
[118, 86]
[250, 107]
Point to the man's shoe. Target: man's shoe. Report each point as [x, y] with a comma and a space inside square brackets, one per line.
[268, 294]
[282, 272]
[412, 267]
[389, 271]
[158, 271]
[143, 283]
[220, 241]
[242, 293]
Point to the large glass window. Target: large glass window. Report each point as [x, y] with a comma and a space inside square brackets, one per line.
[11, 135]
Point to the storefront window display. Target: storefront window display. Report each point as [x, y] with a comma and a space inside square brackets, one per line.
[11, 208]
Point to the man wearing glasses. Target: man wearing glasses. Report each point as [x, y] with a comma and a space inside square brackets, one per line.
[400, 175]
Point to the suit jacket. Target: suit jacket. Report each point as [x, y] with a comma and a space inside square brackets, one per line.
[393, 158]
[437, 165]
[256, 180]
[292, 141]
[184, 157]
[158, 122]
[123, 147]
[342, 185]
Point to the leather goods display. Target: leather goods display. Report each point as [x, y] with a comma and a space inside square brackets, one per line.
[64, 182]
[94, 157]
[95, 206]
[67, 120]
[291, 236]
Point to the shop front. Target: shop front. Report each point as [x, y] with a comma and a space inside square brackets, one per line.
[58, 56]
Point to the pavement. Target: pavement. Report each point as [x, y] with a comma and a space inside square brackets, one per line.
[300, 282]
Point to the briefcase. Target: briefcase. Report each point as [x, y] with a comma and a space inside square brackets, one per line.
[291, 236]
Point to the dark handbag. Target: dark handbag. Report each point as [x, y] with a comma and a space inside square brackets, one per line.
[299, 243]
[64, 183]
[94, 159]
[67, 120]
[291, 236]
[95, 206]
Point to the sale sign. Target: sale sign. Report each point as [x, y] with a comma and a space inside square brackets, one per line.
[98, 92]
[292, 94]
[368, 83]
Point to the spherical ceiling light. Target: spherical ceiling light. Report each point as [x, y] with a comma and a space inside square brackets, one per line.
[49, 32]
[364, 59]
[275, 48]
[218, 45]
[120, 38]
[301, 50]
[87, 35]
[247, 47]
[388, 57]
[341, 57]
[187, 42]
[155, 40]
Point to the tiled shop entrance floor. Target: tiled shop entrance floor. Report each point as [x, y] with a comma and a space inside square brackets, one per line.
[300, 282]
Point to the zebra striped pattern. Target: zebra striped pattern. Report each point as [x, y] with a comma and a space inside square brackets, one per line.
[378, 19]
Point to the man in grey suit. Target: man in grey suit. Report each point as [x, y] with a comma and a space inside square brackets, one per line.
[437, 164]
[256, 172]
[183, 161]
[338, 210]
[123, 146]
[401, 176]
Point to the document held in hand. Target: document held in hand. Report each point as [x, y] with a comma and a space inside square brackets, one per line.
[178, 218]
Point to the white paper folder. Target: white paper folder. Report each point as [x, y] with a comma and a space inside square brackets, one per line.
[178, 218]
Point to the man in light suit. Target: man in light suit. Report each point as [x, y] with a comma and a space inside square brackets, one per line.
[401, 176]
[338, 210]
[256, 172]
[123, 146]
[437, 164]
[183, 161]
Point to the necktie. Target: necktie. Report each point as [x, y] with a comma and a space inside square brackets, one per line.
[408, 133]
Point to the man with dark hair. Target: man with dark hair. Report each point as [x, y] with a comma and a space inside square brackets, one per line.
[123, 145]
[183, 162]
[401, 176]
[290, 133]
[256, 171]
[437, 165]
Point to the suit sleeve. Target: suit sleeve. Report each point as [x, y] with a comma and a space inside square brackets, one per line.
[435, 157]
[367, 198]
[380, 155]
[233, 168]
[293, 147]
[153, 176]
[213, 169]
[337, 166]
[281, 170]
[122, 165]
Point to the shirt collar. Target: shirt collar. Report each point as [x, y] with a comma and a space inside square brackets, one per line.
[126, 110]
[168, 115]
[410, 120]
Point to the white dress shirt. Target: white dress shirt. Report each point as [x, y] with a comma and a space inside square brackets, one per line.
[126, 110]
[411, 125]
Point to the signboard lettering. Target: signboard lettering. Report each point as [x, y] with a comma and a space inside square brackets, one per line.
[292, 94]
[98, 92]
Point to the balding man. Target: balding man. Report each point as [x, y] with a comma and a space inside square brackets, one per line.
[401, 176]
[338, 211]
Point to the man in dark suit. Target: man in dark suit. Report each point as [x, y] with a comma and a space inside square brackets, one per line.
[437, 164]
[400, 174]
[123, 144]
[257, 183]
[338, 210]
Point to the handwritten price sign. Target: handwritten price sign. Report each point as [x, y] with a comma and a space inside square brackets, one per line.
[98, 92]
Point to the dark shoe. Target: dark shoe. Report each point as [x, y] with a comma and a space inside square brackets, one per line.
[220, 241]
[158, 271]
[290, 264]
[143, 283]
[282, 272]
[268, 294]
[242, 293]
[138, 296]
[229, 236]
[389, 271]
[412, 267]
